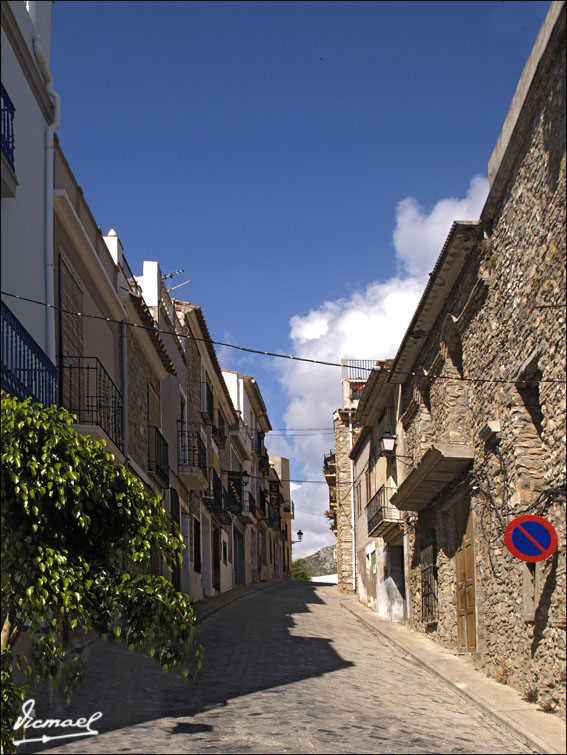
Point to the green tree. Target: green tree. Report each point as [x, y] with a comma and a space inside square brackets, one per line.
[77, 533]
[299, 570]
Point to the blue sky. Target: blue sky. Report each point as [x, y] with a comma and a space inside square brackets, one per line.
[304, 198]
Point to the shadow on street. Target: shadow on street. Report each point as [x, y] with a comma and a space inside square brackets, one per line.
[248, 647]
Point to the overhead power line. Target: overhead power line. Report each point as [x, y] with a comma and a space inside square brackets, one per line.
[155, 329]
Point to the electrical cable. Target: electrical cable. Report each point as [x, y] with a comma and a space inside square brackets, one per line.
[155, 329]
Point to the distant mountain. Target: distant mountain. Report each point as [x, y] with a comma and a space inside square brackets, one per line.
[321, 562]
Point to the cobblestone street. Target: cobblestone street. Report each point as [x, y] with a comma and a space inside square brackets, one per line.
[286, 669]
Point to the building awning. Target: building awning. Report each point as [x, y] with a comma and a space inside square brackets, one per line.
[439, 465]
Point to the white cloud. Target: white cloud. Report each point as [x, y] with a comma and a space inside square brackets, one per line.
[419, 236]
[368, 325]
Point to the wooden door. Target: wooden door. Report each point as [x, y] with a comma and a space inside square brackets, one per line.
[466, 608]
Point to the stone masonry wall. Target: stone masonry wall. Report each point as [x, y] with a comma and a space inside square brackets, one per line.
[344, 518]
[510, 325]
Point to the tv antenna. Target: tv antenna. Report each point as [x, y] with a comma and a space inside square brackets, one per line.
[171, 275]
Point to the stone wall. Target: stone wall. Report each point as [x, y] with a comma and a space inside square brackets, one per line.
[502, 323]
[344, 513]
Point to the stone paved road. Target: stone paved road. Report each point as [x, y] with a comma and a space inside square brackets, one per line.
[286, 670]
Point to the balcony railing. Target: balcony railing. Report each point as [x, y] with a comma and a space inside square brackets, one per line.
[26, 370]
[87, 390]
[357, 369]
[8, 141]
[382, 516]
[288, 508]
[158, 455]
[191, 451]
[217, 501]
[329, 467]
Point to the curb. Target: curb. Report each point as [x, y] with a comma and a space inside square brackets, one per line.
[525, 736]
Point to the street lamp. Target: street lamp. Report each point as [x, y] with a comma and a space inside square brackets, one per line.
[299, 537]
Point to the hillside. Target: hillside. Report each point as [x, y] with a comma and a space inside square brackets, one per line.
[321, 562]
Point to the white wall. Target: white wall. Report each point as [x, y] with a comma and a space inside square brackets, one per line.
[22, 228]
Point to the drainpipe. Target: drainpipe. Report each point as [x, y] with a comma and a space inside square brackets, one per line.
[48, 221]
[124, 344]
[353, 535]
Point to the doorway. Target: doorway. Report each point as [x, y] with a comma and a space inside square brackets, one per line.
[464, 563]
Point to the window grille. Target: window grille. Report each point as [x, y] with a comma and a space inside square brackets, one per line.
[428, 558]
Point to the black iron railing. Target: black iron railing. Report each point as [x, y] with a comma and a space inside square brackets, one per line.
[429, 600]
[329, 467]
[26, 369]
[8, 141]
[357, 369]
[379, 508]
[191, 451]
[87, 391]
[158, 455]
[217, 501]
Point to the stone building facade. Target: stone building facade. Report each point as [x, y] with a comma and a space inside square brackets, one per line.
[481, 370]
[354, 376]
[378, 465]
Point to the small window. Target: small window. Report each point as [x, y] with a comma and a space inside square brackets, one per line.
[224, 552]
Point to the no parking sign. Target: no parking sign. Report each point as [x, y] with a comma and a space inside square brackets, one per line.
[531, 538]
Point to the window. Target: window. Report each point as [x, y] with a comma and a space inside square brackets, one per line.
[428, 557]
[224, 552]
[358, 498]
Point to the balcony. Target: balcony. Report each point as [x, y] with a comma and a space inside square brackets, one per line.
[384, 519]
[26, 370]
[438, 466]
[249, 512]
[216, 501]
[191, 457]
[9, 180]
[158, 456]
[329, 467]
[87, 391]
[289, 509]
